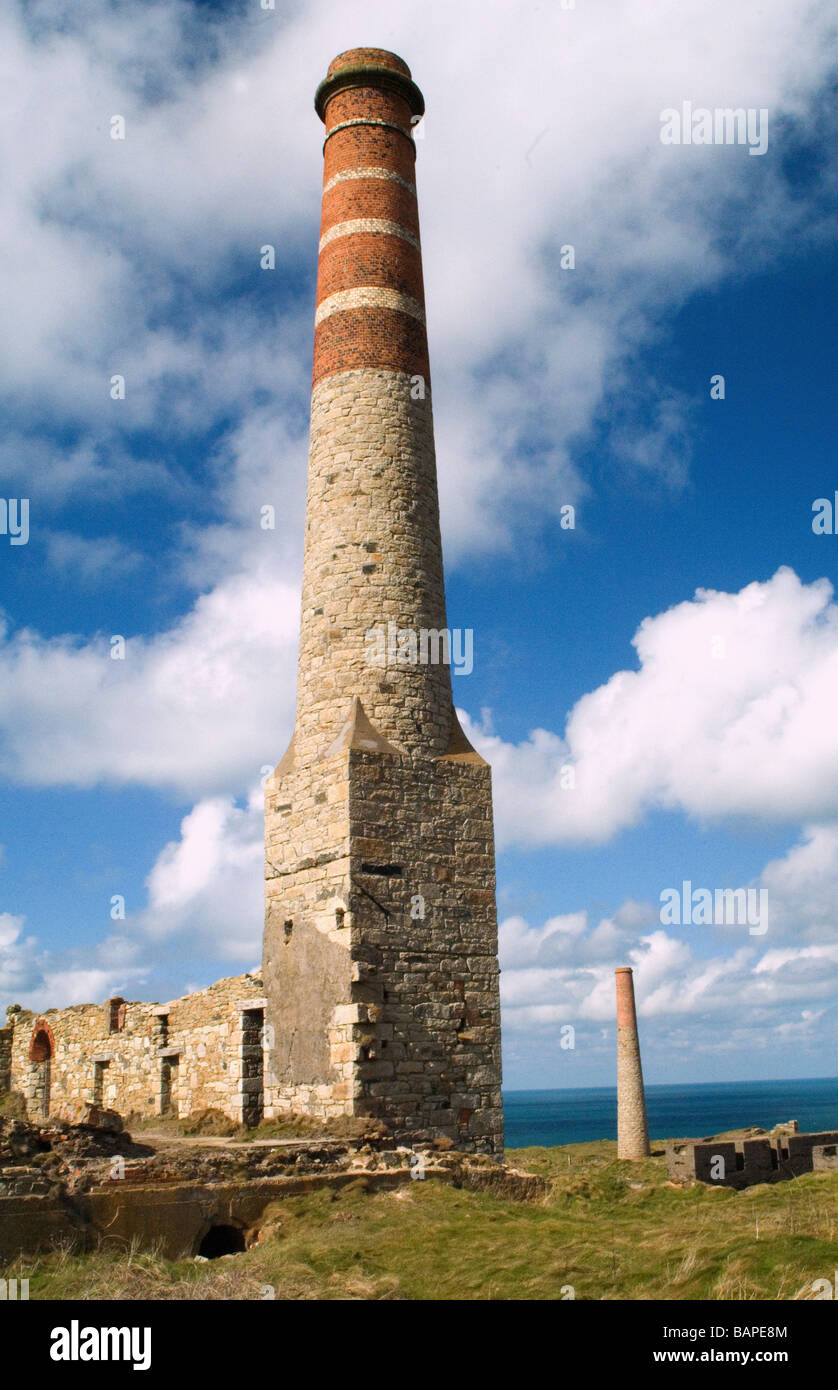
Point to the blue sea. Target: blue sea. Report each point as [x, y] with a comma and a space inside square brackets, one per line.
[547, 1118]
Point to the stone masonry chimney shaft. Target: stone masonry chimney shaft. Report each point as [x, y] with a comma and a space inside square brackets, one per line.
[373, 554]
[632, 1127]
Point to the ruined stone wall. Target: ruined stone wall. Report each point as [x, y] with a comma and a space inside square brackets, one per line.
[306, 959]
[381, 942]
[740, 1163]
[825, 1158]
[428, 990]
[179, 1057]
[6, 1036]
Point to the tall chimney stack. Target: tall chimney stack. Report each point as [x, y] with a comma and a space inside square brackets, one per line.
[373, 553]
[380, 948]
[632, 1127]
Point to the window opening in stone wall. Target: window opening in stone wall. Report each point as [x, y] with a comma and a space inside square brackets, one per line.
[384, 870]
[116, 1015]
[168, 1084]
[252, 1067]
[99, 1069]
[159, 1029]
[288, 928]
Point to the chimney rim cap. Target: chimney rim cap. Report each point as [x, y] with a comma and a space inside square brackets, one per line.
[367, 73]
[379, 57]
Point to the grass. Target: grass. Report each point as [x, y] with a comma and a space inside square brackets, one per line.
[611, 1231]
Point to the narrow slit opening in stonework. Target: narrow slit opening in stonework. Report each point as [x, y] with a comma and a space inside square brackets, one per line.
[116, 1014]
[384, 870]
[339, 916]
[253, 1066]
[288, 927]
[99, 1082]
[168, 1085]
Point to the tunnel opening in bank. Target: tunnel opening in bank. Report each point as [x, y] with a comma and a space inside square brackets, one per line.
[222, 1240]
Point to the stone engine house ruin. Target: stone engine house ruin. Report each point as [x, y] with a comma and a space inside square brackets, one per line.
[379, 994]
[204, 1051]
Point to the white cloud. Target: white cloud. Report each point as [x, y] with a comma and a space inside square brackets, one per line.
[120, 255]
[716, 994]
[36, 979]
[731, 713]
[17, 968]
[207, 886]
[200, 707]
[746, 993]
[802, 887]
[204, 901]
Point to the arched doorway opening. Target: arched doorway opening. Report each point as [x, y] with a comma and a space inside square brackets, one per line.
[41, 1053]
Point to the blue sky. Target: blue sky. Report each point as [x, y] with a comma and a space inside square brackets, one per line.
[588, 386]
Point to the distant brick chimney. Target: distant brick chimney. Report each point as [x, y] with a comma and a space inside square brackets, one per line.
[632, 1127]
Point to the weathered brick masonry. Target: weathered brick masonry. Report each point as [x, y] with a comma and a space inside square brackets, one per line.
[380, 959]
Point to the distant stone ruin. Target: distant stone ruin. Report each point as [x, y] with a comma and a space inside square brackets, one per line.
[757, 1156]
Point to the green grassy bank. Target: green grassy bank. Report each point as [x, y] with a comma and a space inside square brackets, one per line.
[608, 1230]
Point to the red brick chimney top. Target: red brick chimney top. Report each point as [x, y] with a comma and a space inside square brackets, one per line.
[368, 57]
[626, 1015]
[368, 67]
[370, 297]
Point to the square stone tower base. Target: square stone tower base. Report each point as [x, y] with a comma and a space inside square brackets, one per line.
[380, 964]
